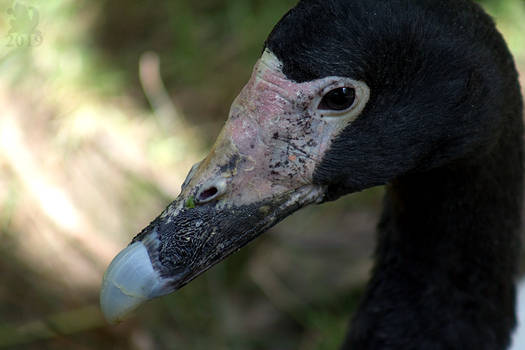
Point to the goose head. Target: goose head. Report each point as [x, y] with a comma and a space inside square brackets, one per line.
[345, 96]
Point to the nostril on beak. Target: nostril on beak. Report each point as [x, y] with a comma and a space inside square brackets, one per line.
[211, 191]
[207, 194]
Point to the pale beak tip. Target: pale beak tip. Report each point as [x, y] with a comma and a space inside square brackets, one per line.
[129, 281]
[116, 304]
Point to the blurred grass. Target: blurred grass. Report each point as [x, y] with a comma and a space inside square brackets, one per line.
[85, 163]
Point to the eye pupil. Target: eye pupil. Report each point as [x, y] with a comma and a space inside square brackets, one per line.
[338, 99]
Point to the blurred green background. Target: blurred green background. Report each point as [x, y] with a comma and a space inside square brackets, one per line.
[93, 145]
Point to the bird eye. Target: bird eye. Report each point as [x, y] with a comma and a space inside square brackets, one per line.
[338, 99]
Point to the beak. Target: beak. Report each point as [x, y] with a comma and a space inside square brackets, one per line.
[260, 170]
[187, 239]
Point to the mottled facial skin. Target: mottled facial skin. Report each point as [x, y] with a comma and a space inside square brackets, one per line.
[274, 137]
[259, 171]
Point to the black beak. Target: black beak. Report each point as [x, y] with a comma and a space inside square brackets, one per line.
[187, 239]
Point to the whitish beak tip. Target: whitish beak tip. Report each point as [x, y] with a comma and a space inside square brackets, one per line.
[129, 281]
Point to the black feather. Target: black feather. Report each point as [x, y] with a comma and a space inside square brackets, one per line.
[443, 128]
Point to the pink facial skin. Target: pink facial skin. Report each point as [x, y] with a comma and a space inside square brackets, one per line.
[273, 139]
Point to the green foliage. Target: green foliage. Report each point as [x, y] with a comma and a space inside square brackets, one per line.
[190, 202]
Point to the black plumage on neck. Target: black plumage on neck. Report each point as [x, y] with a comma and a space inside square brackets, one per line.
[445, 263]
[443, 130]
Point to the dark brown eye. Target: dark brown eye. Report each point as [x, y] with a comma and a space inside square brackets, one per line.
[338, 99]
